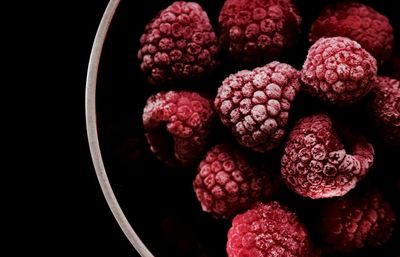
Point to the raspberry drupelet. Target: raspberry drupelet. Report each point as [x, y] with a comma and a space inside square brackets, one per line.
[257, 31]
[358, 22]
[355, 221]
[385, 108]
[255, 104]
[268, 229]
[178, 44]
[315, 163]
[228, 183]
[176, 126]
[338, 71]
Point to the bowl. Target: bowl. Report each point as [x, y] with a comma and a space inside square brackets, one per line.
[154, 205]
[162, 222]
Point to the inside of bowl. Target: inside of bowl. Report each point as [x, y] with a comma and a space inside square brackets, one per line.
[158, 201]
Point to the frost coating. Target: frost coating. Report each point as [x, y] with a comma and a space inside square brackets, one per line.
[358, 22]
[268, 229]
[226, 183]
[176, 126]
[257, 31]
[315, 163]
[179, 43]
[338, 71]
[255, 104]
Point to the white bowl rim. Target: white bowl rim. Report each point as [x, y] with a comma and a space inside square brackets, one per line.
[91, 127]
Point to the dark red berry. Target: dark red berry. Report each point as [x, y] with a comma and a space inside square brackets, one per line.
[358, 22]
[338, 71]
[227, 183]
[255, 104]
[178, 44]
[177, 125]
[356, 220]
[258, 31]
[385, 108]
[316, 164]
[268, 229]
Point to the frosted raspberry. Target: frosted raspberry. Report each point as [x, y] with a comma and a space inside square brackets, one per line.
[358, 22]
[385, 108]
[338, 71]
[228, 183]
[176, 126]
[268, 229]
[356, 221]
[257, 31]
[178, 44]
[315, 163]
[255, 104]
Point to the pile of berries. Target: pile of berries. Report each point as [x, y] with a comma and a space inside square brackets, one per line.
[324, 121]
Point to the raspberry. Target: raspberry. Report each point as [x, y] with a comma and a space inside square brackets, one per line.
[178, 44]
[180, 120]
[385, 108]
[255, 104]
[227, 183]
[315, 163]
[268, 229]
[258, 31]
[356, 221]
[338, 71]
[358, 22]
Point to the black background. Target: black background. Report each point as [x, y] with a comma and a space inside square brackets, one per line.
[54, 204]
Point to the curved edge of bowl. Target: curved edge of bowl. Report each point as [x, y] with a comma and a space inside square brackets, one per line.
[92, 133]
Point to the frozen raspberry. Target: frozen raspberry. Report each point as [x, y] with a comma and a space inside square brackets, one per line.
[315, 163]
[338, 71]
[255, 104]
[385, 108]
[178, 44]
[268, 229]
[357, 220]
[176, 126]
[228, 183]
[257, 31]
[358, 22]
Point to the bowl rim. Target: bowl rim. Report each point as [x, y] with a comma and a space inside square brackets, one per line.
[92, 132]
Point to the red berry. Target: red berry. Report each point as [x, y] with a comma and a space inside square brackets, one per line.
[179, 43]
[176, 126]
[228, 183]
[268, 229]
[315, 163]
[258, 31]
[356, 221]
[338, 71]
[358, 22]
[385, 108]
[255, 104]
